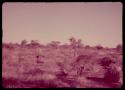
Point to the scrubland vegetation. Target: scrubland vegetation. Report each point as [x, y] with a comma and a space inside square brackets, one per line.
[33, 65]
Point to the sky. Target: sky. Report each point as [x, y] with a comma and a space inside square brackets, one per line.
[93, 22]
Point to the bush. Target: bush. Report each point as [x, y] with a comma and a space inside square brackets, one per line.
[8, 46]
[105, 61]
[23, 42]
[82, 57]
[119, 47]
[99, 47]
[112, 75]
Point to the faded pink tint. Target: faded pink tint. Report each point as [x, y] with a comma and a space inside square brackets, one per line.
[94, 23]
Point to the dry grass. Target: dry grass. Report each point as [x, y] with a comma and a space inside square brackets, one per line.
[20, 69]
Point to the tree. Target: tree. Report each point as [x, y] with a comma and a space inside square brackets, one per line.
[73, 42]
[9, 46]
[24, 42]
[54, 44]
[87, 46]
[119, 47]
[99, 47]
[35, 43]
[79, 43]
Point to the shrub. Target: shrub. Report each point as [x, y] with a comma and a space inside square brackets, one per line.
[105, 61]
[112, 75]
[24, 42]
[82, 57]
[99, 47]
[34, 43]
[8, 46]
[87, 46]
[119, 47]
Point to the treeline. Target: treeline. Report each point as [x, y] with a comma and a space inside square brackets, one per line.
[74, 43]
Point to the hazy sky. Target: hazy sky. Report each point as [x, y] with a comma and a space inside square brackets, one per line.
[94, 23]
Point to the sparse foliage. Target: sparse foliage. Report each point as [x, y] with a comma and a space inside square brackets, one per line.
[54, 44]
[99, 47]
[34, 43]
[105, 61]
[58, 65]
[119, 47]
[24, 42]
[72, 42]
[79, 43]
[9, 46]
[112, 75]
